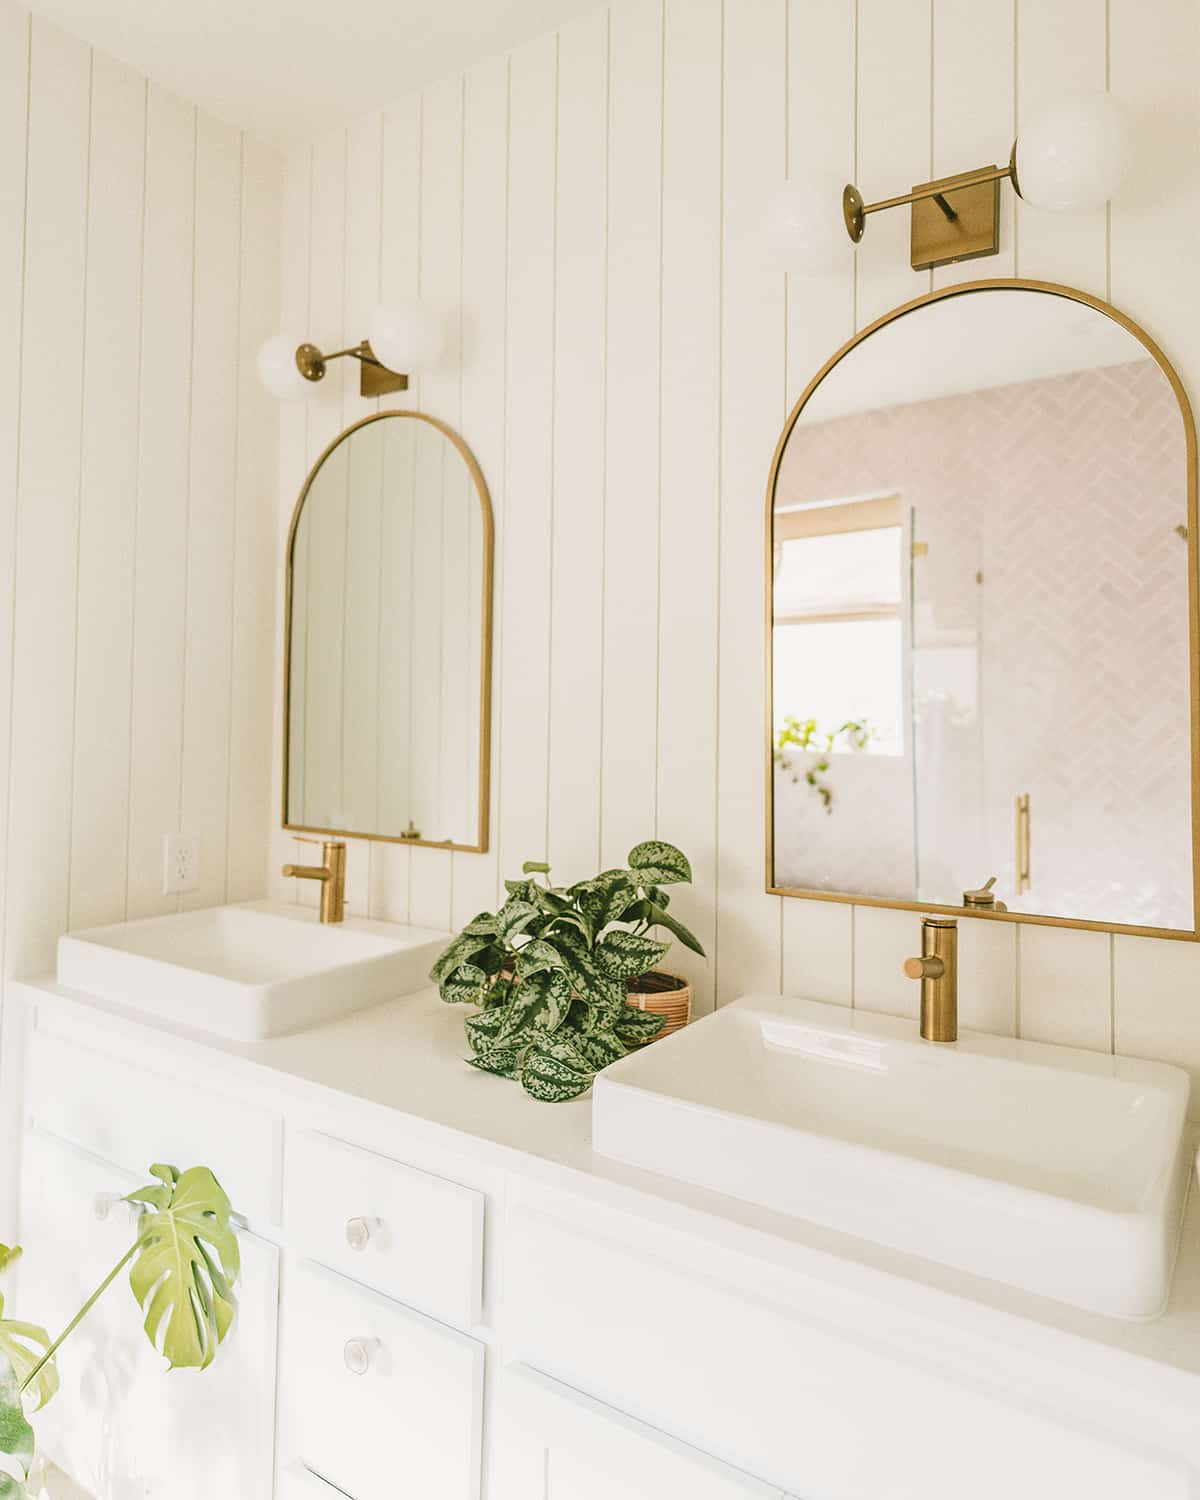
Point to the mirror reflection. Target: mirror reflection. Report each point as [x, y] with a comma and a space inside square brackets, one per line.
[389, 584]
[980, 618]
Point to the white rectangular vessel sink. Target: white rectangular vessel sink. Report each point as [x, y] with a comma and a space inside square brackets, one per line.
[1054, 1170]
[248, 972]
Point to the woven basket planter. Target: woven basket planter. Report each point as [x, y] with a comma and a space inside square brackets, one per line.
[665, 995]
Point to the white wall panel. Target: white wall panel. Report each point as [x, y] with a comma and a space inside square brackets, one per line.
[121, 466]
[753, 406]
[689, 520]
[108, 496]
[972, 102]
[632, 385]
[577, 608]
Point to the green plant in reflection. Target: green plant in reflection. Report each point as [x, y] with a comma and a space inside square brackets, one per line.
[183, 1266]
[550, 971]
[806, 736]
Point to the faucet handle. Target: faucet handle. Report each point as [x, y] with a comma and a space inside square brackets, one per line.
[984, 898]
[924, 968]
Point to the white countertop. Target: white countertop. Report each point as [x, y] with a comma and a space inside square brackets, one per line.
[408, 1056]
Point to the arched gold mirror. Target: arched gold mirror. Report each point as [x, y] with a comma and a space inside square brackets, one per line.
[982, 635]
[388, 632]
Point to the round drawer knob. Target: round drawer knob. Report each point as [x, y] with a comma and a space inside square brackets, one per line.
[358, 1233]
[358, 1355]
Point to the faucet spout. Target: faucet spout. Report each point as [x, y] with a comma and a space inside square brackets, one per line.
[332, 875]
[937, 969]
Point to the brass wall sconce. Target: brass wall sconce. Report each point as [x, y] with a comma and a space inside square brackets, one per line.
[404, 336]
[1071, 158]
[374, 377]
[953, 218]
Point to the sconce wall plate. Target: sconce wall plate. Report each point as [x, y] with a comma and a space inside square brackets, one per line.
[954, 223]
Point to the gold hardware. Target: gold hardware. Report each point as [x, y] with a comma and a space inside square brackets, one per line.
[411, 834]
[1023, 835]
[332, 875]
[374, 379]
[920, 549]
[953, 218]
[485, 665]
[984, 898]
[937, 969]
[1035, 919]
[1182, 531]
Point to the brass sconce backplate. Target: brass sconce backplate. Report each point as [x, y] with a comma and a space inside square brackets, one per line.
[955, 224]
[378, 380]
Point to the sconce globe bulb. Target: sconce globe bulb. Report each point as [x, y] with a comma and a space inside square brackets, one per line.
[407, 336]
[804, 229]
[277, 369]
[1074, 155]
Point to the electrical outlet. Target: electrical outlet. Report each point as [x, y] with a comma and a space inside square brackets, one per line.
[181, 863]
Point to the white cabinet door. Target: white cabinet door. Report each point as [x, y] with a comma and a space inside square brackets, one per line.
[122, 1425]
[381, 1401]
[554, 1443]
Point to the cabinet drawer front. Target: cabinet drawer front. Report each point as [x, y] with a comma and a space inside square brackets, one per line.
[382, 1400]
[778, 1391]
[557, 1443]
[132, 1116]
[405, 1232]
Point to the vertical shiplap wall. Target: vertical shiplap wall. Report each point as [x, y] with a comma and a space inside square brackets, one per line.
[139, 242]
[590, 208]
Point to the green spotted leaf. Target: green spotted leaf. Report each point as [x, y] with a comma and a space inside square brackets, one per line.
[481, 1029]
[554, 1071]
[463, 949]
[656, 863]
[12, 1489]
[601, 1047]
[539, 1002]
[8, 1254]
[625, 955]
[466, 986]
[537, 955]
[484, 925]
[636, 1027]
[535, 867]
[658, 917]
[499, 1060]
[514, 917]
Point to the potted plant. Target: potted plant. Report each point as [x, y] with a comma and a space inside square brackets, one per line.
[552, 971]
[183, 1262]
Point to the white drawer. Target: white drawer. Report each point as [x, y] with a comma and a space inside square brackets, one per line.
[133, 1116]
[382, 1401]
[405, 1232]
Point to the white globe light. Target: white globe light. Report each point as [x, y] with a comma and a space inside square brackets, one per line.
[1075, 154]
[277, 369]
[804, 226]
[406, 336]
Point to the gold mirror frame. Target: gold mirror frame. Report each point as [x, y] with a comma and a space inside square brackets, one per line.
[1071, 294]
[485, 665]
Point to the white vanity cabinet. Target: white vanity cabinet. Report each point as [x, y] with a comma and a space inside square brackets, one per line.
[558, 1444]
[463, 1303]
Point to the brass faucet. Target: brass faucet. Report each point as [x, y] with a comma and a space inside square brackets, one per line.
[332, 875]
[937, 969]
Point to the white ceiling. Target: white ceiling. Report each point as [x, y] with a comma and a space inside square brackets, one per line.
[285, 69]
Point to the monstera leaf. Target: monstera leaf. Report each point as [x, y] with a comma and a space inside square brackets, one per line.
[23, 1347]
[16, 1435]
[185, 1265]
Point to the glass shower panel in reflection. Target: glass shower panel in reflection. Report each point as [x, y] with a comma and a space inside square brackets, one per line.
[945, 593]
